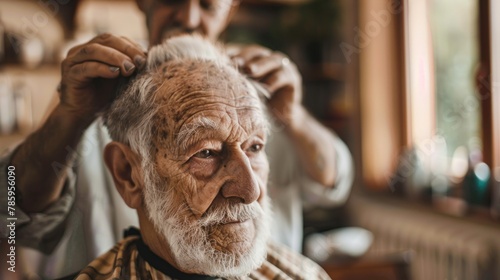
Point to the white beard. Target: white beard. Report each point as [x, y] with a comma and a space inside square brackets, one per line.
[189, 241]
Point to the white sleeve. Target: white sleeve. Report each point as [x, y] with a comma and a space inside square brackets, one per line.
[315, 194]
[41, 231]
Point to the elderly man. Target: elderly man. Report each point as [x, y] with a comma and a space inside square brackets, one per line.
[66, 198]
[188, 154]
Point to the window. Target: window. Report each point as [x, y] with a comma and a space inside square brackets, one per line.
[455, 48]
[494, 100]
[434, 135]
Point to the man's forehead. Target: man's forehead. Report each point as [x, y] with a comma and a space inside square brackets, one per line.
[190, 80]
[201, 90]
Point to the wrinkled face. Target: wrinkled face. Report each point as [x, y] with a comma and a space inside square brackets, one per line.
[167, 18]
[211, 194]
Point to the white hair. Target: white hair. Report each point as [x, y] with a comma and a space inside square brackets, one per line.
[192, 47]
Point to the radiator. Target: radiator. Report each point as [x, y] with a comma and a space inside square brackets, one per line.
[443, 248]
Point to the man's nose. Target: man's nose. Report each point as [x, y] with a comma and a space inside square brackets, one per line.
[243, 184]
[189, 15]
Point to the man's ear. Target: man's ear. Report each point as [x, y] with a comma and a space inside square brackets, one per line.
[125, 167]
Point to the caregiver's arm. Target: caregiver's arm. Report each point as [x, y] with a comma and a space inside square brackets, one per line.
[88, 80]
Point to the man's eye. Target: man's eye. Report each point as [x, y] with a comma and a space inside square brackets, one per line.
[205, 154]
[256, 148]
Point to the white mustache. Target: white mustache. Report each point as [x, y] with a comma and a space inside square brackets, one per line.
[172, 32]
[231, 212]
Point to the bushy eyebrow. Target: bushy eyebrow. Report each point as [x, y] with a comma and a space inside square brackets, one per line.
[191, 131]
[204, 127]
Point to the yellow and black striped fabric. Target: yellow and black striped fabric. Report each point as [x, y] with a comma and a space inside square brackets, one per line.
[132, 259]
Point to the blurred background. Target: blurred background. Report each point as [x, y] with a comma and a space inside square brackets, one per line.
[409, 85]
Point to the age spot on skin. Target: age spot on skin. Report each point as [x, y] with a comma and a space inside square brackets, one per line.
[192, 66]
[168, 73]
[177, 116]
[164, 134]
